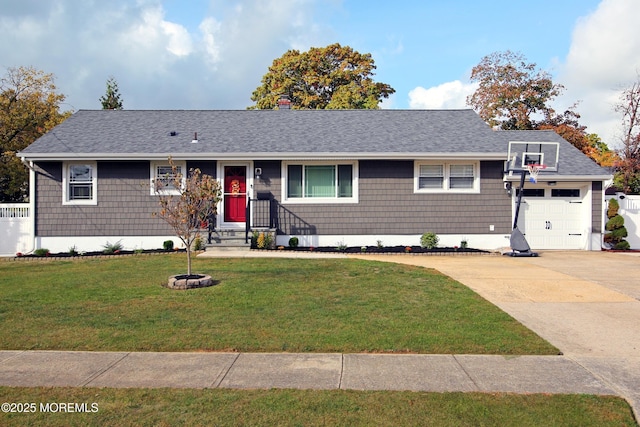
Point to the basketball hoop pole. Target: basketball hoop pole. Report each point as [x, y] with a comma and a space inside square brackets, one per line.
[522, 177]
[519, 245]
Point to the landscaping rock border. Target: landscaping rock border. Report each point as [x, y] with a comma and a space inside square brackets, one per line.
[193, 281]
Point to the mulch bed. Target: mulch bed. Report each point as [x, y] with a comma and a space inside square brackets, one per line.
[68, 255]
[385, 250]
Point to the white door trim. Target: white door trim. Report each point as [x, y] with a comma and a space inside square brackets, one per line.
[221, 223]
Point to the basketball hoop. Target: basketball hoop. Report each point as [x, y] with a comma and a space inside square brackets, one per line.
[534, 169]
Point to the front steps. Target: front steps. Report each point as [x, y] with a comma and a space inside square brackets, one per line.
[228, 240]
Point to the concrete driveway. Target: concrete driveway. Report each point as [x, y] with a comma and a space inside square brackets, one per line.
[585, 303]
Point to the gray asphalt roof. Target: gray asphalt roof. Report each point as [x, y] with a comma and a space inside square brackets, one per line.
[275, 134]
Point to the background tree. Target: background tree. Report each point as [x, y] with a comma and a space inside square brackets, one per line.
[629, 163]
[333, 77]
[111, 99]
[514, 95]
[197, 200]
[511, 91]
[29, 107]
[567, 126]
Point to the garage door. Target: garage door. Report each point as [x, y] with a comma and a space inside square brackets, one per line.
[554, 218]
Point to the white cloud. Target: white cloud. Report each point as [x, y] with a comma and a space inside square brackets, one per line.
[603, 59]
[210, 29]
[215, 60]
[450, 95]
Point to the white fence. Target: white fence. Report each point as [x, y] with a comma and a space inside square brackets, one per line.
[16, 234]
[630, 211]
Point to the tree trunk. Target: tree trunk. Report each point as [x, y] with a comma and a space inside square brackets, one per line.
[188, 261]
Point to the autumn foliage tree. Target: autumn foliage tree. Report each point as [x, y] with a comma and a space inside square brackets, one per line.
[29, 107]
[511, 91]
[514, 94]
[333, 77]
[186, 202]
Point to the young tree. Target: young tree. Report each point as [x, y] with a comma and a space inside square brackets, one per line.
[196, 201]
[111, 99]
[511, 91]
[29, 107]
[629, 163]
[333, 77]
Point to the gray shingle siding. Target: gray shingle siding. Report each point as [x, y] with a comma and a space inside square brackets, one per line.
[125, 207]
[597, 209]
[388, 205]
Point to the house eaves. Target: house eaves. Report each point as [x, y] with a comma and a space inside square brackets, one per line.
[40, 157]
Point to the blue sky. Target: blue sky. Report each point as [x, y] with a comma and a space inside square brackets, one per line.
[211, 54]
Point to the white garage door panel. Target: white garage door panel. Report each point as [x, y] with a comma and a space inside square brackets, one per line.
[552, 223]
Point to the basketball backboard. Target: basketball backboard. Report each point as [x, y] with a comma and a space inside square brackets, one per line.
[522, 154]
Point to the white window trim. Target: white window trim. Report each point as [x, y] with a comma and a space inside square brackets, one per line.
[446, 181]
[153, 167]
[320, 200]
[65, 184]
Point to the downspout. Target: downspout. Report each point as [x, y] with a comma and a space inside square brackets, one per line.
[32, 202]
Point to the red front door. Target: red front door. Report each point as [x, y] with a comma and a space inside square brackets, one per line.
[235, 193]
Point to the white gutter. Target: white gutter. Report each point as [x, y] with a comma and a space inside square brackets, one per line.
[36, 157]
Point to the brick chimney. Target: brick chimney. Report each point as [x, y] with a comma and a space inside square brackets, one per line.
[284, 103]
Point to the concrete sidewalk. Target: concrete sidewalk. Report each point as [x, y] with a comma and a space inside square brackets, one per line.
[436, 373]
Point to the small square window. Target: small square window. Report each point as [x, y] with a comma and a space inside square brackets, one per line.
[163, 177]
[431, 176]
[461, 176]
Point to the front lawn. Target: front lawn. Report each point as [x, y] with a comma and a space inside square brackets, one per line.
[220, 407]
[259, 305]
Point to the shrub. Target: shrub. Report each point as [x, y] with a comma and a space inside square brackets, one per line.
[168, 245]
[262, 240]
[622, 246]
[73, 251]
[429, 240]
[612, 209]
[112, 248]
[198, 244]
[619, 233]
[41, 252]
[615, 222]
[615, 227]
[293, 242]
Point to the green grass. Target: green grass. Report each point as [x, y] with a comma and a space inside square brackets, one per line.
[220, 407]
[259, 305]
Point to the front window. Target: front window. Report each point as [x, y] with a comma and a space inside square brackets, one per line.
[163, 177]
[316, 182]
[79, 183]
[435, 177]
